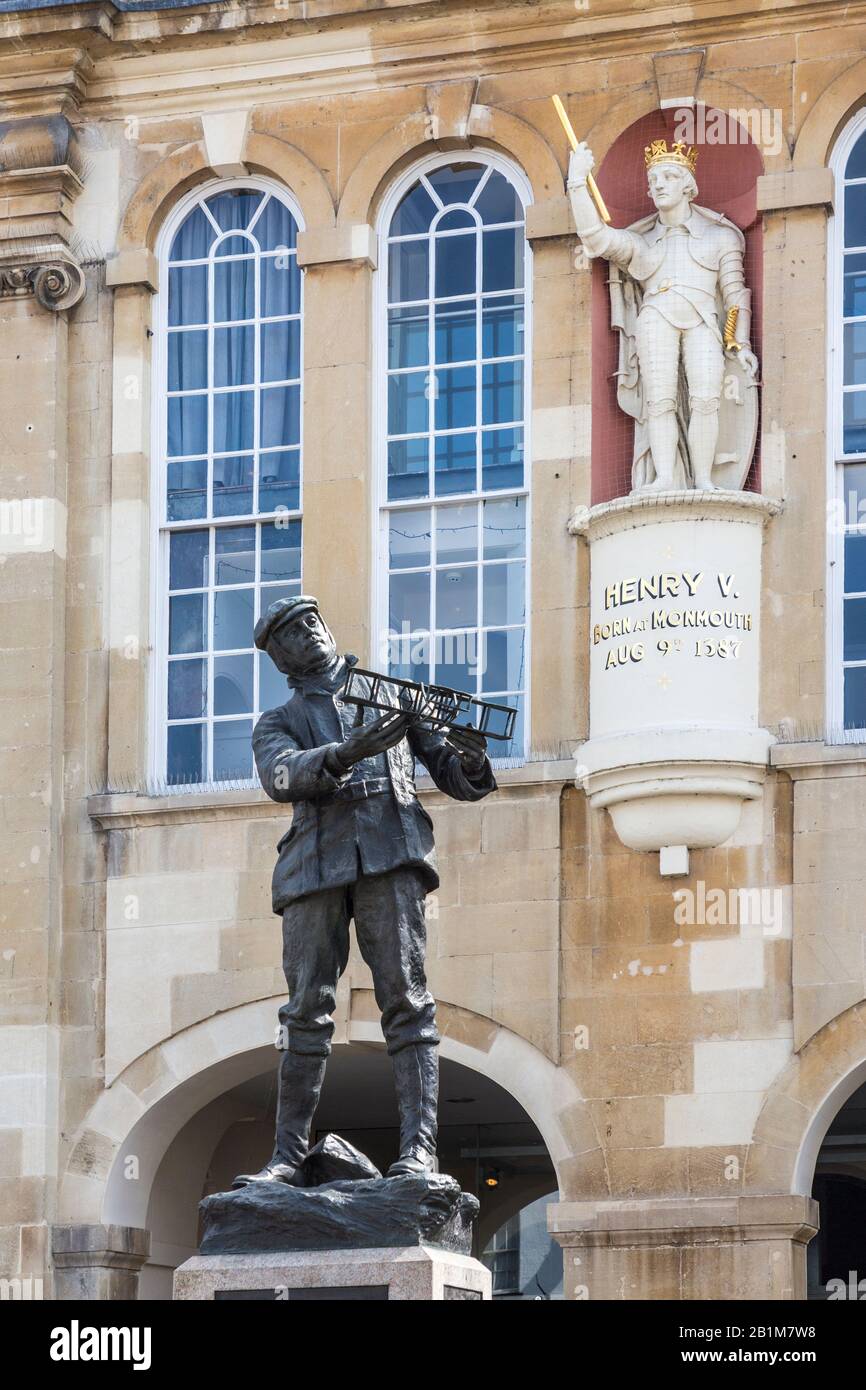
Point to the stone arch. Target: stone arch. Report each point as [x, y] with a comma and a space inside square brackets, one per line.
[147, 1106]
[181, 170]
[803, 1102]
[487, 128]
[836, 105]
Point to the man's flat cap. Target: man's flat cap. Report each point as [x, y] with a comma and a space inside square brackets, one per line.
[282, 611]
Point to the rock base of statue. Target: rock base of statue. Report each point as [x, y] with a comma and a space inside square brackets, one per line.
[341, 1231]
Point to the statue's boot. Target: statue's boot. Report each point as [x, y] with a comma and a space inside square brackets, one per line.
[300, 1084]
[416, 1074]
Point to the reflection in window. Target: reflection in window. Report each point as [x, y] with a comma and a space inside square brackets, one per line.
[455, 407]
[230, 471]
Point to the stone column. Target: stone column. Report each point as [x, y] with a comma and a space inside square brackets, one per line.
[726, 1248]
[39, 279]
[98, 1262]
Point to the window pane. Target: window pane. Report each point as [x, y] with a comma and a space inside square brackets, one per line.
[457, 220]
[855, 493]
[854, 629]
[281, 286]
[498, 201]
[455, 332]
[233, 619]
[502, 326]
[234, 290]
[275, 227]
[455, 463]
[457, 597]
[855, 215]
[281, 351]
[186, 754]
[855, 698]
[854, 286]
[415, 212]
[187, 425]
[233, 208]
[233, 486]
[281, 550]
[235, 556]
[188, 560]
[501, 392]
[854, 422]
[409, 539]
[187, 361]
[502, 654]
[408, 271]
[455, 265]
[515, 748]
[187, 295]
[409, 606]
[279, 481]
[455, 397]
[272, 684]
[409, 658]
[280, 416]
[407, 337]
[187, 688]
[234, 246]
[407, 403]
[233, 421]
[504, 528]
[186, 490]
[504, 594]
[186, 623]
[193, 239]
[457, 534]
[232, 749]
[233, 684]
[455, 183]
[501, 459]
[408, 468]
[855, 564]
[503, 259]
[457, 661]
[856, 166]
[234, 350]
[855, 354]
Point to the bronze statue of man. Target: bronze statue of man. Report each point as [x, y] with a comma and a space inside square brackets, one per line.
[360, 846]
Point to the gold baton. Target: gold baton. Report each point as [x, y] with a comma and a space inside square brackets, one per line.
[594, 191]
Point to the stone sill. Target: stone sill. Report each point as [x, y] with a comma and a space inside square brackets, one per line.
[805, 761]
[125, 810]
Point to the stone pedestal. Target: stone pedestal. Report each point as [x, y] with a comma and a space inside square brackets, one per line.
[749, 1247]
[402, 1273]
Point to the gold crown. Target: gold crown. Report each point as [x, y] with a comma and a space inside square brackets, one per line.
[657, 152]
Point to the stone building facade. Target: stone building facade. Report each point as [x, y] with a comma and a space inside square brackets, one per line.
[675, 1033]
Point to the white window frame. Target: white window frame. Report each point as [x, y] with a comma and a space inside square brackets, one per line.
[383, 507]
[160, 528]
[836, 458]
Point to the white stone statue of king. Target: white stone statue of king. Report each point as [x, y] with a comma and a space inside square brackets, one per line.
[686, 373]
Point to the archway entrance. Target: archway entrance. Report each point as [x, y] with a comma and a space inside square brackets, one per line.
[487, 1141]
[837, 1256]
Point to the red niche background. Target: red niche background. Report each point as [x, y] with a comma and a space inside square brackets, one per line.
[727, 176]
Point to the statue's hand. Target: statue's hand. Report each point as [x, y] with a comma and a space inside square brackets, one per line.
[470, 747]
[579, 165]
[367, 740]
[749, 362]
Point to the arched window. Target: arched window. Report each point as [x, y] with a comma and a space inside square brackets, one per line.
[228, 440]
[453, 412]
[847, 435]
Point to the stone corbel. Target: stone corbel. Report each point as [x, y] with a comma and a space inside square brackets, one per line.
[52, 275]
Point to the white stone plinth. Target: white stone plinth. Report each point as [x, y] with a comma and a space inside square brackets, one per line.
[675, 744]
[420, 1272]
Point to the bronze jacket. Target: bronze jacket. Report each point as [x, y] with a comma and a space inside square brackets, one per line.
[369, 820]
